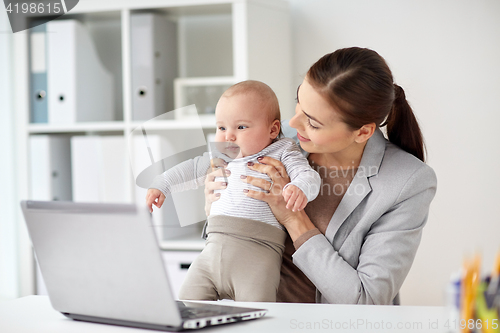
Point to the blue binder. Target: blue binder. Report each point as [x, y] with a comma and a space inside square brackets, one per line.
[38, 89]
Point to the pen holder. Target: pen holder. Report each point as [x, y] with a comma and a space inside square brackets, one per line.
[474, 303]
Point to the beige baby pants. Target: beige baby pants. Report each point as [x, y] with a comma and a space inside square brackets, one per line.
[241, 261]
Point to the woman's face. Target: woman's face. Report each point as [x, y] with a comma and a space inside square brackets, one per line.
[319, 126]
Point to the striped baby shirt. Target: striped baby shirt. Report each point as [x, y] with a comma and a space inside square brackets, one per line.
[233, 202]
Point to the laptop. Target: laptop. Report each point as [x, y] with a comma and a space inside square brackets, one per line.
[102, 263]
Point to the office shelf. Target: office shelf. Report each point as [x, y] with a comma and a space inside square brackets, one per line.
[207, 122]
[239, 39]
[118, 126]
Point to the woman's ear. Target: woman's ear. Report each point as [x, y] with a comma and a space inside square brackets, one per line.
[275, 129]
[365, 132]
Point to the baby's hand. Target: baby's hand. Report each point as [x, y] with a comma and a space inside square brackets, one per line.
[152, 196]
[295, 199]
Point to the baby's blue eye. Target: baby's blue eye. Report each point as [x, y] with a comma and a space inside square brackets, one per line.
[242, 127]
[222, 128]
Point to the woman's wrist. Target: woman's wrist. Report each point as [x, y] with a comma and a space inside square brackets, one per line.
[297, 224]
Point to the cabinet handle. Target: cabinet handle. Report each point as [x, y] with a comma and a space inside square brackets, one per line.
[185, 266]
[142, 91]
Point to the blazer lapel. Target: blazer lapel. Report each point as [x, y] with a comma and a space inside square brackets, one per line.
[360, 185]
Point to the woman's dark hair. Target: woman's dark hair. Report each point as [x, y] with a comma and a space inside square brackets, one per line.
[359, 84]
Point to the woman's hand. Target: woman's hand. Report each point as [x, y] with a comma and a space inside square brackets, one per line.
[296, 223]
[273, 194]
[217, 170]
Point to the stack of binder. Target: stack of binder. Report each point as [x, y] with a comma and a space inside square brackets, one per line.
[69, 84]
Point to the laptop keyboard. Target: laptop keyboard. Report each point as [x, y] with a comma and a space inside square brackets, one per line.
[191, 313]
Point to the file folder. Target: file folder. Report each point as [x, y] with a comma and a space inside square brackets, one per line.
[154, 64]
[98, 166]
[81, 88]
[50, 167]
[38, 88]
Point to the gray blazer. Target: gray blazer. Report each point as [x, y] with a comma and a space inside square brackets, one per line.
[372, 238]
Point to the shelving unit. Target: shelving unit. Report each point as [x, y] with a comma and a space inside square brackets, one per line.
[238, 39]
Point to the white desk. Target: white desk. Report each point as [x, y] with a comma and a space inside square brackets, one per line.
[35, 314]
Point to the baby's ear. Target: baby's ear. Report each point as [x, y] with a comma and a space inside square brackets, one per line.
[275, 129]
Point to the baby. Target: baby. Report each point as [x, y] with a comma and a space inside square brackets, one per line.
[242, 255]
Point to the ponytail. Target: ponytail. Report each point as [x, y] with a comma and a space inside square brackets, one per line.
[402, 126]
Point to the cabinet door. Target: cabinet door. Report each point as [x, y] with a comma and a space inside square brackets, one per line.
[177, 264]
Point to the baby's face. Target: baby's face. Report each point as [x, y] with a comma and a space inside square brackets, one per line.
[243, 125]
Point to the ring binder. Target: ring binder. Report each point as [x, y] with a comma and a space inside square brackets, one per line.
[38, 63]
[81, 89]
[154, 64]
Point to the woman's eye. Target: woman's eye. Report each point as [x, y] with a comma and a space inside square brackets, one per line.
[310, 125]
[242, 127]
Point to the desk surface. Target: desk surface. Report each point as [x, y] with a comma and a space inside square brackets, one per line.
[35, 314]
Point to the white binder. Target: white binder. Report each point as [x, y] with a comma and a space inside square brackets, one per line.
[50, 167]
[99, 167]
[81, 89]
[154, 64]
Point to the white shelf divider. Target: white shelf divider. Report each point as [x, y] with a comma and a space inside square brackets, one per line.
[25, 255]
[127, 94]
[109, 126]
[207, 121]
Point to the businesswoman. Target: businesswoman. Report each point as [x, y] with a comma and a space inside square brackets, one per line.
[356, 242]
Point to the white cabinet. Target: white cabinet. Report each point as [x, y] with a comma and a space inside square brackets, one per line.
[228, 40]
[177, 264]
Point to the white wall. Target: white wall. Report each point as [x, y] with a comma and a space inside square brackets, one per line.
[446, 55]
[8, 233]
